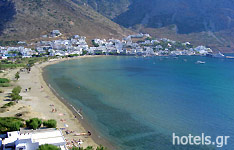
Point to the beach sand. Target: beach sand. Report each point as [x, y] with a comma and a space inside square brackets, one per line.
[40, 101]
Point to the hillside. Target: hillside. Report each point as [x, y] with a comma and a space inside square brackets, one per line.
[28, 19]
[209, 20]
[109, 8]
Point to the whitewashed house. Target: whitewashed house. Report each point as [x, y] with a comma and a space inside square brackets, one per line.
[55, 33]
[32, 139]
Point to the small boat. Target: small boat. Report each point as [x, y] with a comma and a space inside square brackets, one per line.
[200, 62]
[219, 55]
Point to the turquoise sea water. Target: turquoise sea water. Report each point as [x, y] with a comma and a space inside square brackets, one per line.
[137, 103]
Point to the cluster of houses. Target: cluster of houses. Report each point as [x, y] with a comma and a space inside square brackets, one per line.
[143, 44]
[139, 44]
[73, 46]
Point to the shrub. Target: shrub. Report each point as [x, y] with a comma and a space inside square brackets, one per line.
[4, 80]
[50, 123]
[77, 148]
[48, 147]
[1, 91]
[17, 76]
[15, 93]
[15, 126]
[8, 124]
[34, 123]
[101, 148]
[89, 148]
[16, 97]
[8, 105]
[16, 90]
[80, 148]
[5, 85]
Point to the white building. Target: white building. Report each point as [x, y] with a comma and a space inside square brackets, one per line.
[55, 33]
[32, 139]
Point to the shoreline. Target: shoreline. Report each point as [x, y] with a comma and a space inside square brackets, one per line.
[95, 135]
[41, 100]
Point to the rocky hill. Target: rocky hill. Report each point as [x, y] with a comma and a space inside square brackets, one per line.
[203, 22]
[27, 19]
[209, 20]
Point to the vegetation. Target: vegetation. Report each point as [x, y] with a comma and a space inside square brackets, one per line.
[17, 89]
[16, 97]
[1, 91]
[9, 43]
[5, 85]
[95, 44]
[84, 52]
[50, 123]
[89, 148]
[8, 105]
[10, 66]
[111, 53]
[15, 94]
[4, 80]
[17, 62]
[73, 55]
[33, 123]
[98, 53]
[17, 76]
[8, 124]
[48, 147]
[150, 38]
[101, 148]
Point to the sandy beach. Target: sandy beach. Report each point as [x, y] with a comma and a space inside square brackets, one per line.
[41, 102]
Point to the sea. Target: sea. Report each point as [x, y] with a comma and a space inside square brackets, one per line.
[137, 103]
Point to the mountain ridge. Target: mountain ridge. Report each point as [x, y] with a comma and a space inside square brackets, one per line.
[32, 18]
[210, 20]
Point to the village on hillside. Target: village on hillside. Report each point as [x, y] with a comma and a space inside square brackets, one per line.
[140, 44]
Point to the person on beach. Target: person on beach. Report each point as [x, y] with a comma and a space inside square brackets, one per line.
[89, 133]
[80, 110]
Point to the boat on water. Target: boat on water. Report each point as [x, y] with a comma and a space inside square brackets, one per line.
[219, 55]
[200, 62]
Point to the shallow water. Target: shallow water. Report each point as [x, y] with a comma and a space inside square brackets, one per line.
[137, 103]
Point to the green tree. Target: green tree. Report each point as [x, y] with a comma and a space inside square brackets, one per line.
[95, 44]
[81, 148]
[48, 147]
[84, 52]
[34, 123]
[15, 126]
[77, 148]
[16, 97]
[16, 90]
[8, 124]
[50, 123]
[4, 80]
[89, 148]
[31, 63]
[17, 76]
[15, 93]
[101, 148]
